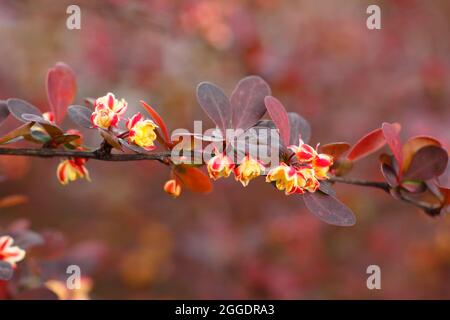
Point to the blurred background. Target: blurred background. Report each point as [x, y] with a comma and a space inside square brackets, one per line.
[320, 60]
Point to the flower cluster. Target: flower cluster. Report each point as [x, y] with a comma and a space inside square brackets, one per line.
[298, 177]
[304, 175]
[9, 253]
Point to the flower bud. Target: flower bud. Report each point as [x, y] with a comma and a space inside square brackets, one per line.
[172, 187]
[71, 170]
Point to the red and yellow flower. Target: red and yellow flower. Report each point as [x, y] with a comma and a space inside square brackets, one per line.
[71, 170]
[321, 164]
[9, 253]
[248, 169]
[172, 187]
[142, 131]
[220, 166]
[304, 152]
[107, 111]
[285, 178]
[49, 116]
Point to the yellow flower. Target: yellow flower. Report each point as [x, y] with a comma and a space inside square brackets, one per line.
[109, 101]
[142, 132]
[71, 170]
[64, 293]
[248, 169]
[285, 178]
[173, 188]
[9, 253]
[220, 166]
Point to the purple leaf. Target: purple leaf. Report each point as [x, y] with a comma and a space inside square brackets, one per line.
[18, 107]
[427, 163]
[389, 174]
[6, 271]
[279, 116]
[215, 104]
[52, 129]
[299, 128]
[81, 116]
[4, 112]
[329, 209]
[247, 102]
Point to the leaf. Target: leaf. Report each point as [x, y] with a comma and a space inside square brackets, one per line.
[414, 186]
[427, 163]
[52, 129]
[335, 149]
[18, 132]
[159, 121]
[81, 116]
[133, 147]
[215, 104]
[111, 139]
[193, 178]
[391, 133]
[26, 239]
[12, 200]
[389, 174]
[18, 107]
[66, 138]
[6, 271]
[279, 116]
[4, 112]
[329, 209]
[247, 102]
[327, 188]
[368, 144]
[299, 128]
[413, 145]
[61, 89]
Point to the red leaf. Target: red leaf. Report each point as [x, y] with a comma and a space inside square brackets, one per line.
[427, 163]
[370, 143]
[391, 133]
[61, 89]
[194, 179]
[329, 209]
[413, 145]
[159, 121]
[335, 149]
[279, 116]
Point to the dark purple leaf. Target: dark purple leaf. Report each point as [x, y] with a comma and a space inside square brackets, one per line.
[247, 102]
[111, 139]
[215, 104]
[26, 239]
[299, 128]
[52, 129]
[133, 147]
[6, 271]
[81, 116]
[389, 174]
[329, 209]
[4, 112]
[427, 163]
[18, 107]
[327, 188]
[279, 116]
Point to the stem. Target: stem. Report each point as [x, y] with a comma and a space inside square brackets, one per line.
[380, 185]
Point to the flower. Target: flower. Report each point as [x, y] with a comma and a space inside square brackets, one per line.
[172, 187]
[49, 116]
[248, 169]
[107, 111]
[285, 178]
[307, 179]
[321, 164]
[64, 293]
[142, 131]
[9, 253]
[220, 166]
[72, 169]
[304, 152]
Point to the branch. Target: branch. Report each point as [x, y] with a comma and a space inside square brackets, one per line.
[97, 155]
[430, 209]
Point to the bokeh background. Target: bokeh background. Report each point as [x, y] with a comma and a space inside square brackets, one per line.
[320, 60]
